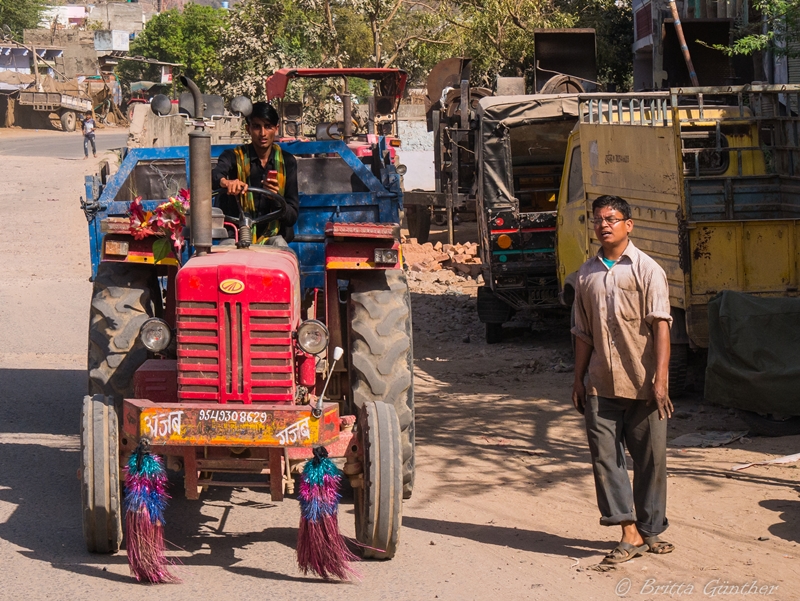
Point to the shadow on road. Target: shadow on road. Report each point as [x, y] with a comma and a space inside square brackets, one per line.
[524, 540]
[40, 446]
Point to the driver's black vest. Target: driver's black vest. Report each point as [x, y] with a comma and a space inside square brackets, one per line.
[243, 171]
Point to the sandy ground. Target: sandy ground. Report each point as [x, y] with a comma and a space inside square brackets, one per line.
[504, 504]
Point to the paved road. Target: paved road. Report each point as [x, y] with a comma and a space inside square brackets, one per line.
[58, 144]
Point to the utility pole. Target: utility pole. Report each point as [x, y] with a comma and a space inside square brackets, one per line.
[36, 75]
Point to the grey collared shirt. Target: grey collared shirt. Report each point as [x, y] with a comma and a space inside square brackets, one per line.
[614, 313]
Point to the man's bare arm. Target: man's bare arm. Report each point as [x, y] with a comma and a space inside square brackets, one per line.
[583, 352]
[661, 384]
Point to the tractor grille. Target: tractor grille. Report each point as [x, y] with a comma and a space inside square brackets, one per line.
[235, 352]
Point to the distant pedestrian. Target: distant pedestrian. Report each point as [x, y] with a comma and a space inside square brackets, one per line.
[622, 323]
[88, 126]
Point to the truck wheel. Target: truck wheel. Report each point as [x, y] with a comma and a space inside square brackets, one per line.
[678, 365]
[418, 219]
[382, 352]
[100, 489]
[121, 303]
[494, 333]
[493, 312]
[379, 502]
[765, 425]
[68, 121]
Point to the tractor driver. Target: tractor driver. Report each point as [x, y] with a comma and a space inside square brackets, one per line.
[260, 164]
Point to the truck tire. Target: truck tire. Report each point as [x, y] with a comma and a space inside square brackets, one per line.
[418, 219]
[382, 352]
[678, 365]
[68, 120]
[100, 486]
[765, 425]
[493, 312]
[121, 303]
[379, 502]
[494, 333]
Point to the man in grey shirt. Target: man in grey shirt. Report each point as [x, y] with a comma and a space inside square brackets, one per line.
[622, 322]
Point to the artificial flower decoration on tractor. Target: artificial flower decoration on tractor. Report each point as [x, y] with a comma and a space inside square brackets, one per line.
[167, 221]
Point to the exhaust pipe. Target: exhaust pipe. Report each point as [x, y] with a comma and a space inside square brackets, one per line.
[199, 177]
[197, 97]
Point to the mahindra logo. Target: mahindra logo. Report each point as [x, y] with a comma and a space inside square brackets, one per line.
[231, 286]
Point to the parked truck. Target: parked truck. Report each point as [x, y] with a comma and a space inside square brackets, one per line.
[65, 106]
[565, 63]
[713, 179]
[218, 354]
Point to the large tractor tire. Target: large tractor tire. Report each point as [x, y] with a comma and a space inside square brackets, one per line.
[379, 501]
[100, 486]
[381, 352]
[121, 303]
[418, 219]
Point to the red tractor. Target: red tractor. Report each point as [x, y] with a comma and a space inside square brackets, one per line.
[223, 356]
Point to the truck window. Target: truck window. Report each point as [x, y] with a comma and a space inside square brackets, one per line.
[575, 182]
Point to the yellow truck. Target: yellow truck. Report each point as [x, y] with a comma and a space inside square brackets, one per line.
[713, 179]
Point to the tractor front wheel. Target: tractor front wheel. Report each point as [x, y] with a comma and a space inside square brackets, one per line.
[100, 487]
[381, 352]
[379, 501]
[121, 303]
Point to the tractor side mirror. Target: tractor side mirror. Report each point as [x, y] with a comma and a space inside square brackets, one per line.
[161, 105]
[242, 106]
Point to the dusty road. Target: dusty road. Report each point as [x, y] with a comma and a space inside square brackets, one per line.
[27, 143]
[504, 505]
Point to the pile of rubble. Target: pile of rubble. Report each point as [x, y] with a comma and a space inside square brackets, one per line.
[462, 259]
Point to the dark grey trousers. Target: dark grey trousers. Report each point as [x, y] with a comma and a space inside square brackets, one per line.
[612, 425]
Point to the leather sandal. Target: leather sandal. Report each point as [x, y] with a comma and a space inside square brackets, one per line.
[658, 546]
[624, 552]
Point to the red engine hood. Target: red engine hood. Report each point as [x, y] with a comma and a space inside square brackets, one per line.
[267, 275]
[236, 313]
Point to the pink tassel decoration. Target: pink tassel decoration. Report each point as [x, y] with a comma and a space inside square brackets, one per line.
[320, 547]
[145, 500]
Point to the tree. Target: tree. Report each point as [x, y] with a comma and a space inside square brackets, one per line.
[778, 29]
[612, 21]
[192, 38]
[20, 15]
[498, 34]
[252, 48]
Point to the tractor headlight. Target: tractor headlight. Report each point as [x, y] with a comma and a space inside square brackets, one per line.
[312, 336]
[156, 334]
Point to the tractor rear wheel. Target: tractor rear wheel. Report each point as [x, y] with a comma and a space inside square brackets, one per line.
[379, 501]
[381, 352]
[100, 486]
[121, 303]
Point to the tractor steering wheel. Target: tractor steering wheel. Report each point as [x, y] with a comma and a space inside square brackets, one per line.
[273, 196]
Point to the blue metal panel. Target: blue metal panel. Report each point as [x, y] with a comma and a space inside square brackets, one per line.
[380, 205]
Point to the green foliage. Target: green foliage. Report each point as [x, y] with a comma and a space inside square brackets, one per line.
[783, 30]
[192, 37]
[612, 21]
[498, 34]
[20, 15]
[252, 48]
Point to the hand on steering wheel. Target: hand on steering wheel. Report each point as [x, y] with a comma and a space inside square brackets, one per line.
[273, 196]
